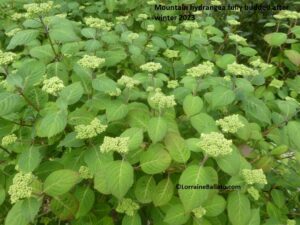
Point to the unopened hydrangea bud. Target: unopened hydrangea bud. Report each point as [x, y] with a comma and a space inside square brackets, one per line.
[171, 53]
[90, 61]
[287, 14]
[117, 92]
[253, 192]
[204, 69]
[128, 82]
[241, 70]
[121, 19]
[255, 176]
[150, 27]
[97, 23]
[237, 38]
[53, 85]
[151, 67]
[12, 32]
[38, 9]
[127, 206]
[215, 144]
[258, 63]
[199, 212]
[162, 101]
[17, 16]
[230, 124]
[276, 83]
[190, 25]
[291, 222]
[7, 58]
[85, 173]
[20, 187]
[133, 36]
[142, 16]
[172, 84]
[233, 22]
[91, 130]
[117, 144]
[216, 3]
[9, 139]
[171, 28]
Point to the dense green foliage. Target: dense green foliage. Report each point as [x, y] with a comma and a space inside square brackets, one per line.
[105, 112]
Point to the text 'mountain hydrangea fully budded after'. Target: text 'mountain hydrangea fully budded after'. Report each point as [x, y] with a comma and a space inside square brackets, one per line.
[113, 112]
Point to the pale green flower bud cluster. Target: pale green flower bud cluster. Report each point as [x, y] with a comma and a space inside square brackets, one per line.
[37, 9]
[90, 61]
[171, 53]
[291, 222]
[142, 16]
[233, 22]
[206, 68]
[162, 101]
[258, 63]
[150, 27]
[12, 32]
[173, 84]
[151, 2]
[133, 36]
[237, 38]
[276, 83]
[255, 176]
[199, 212]
[9, 139]
[190, 25]
[20, 187]
[241, 70]
[127, 206]
[97, 23]
[215, 144]
[287, 14]
[91, 130]
[7, 58]
[253, 192]
[121, 19]
[117, 92]
[198, 13]
[53, 85]
[117, 144]
[17, 16]
[230, 124]
[216, 3]
[151, 67]
[171, 28]
[128, 82]
[85, 173]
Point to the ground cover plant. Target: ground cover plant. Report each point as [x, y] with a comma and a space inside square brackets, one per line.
[108, 116]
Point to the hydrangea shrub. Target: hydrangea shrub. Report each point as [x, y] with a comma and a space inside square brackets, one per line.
[108, 116]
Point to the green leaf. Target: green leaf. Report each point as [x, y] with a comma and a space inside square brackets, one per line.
[104, 84]
[238, 208]
[293, 128]
[119, 177]
[60, 182]
[293, 56]
[23, 37]
[275, 39]
[255, 217]
[220, 97]
[257, 110]
[86, 199]
[135, 137]
[110, 5]
[192, 105]
[51, 124]
[116, 110]
[89, 32]
[157, 128]
[155, 159]
[144, 187]
[163, 192]
[32, 73]
[43, 52]
[64, 206]
[10, 102]
[196, 175]
[203, 123]
[63, 32]
[177, 147]
[29, 159]
[132, 220]
[187, 56]
[225, 60]
[278, 197]
[215, 206]
[175, 215]
[72, 93]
